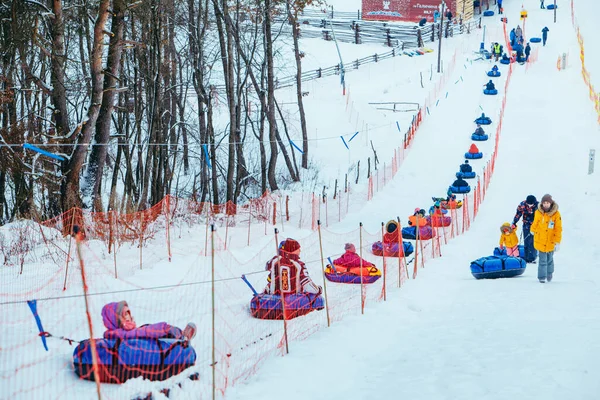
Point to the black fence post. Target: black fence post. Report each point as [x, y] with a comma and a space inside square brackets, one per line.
[357, 34]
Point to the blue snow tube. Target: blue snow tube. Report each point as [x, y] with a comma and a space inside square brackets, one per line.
[505, 61]
[479, 138]
[460, 189]
[432, 210]
[120, 360]
[551, 6]
[502, 252]
[490, 92]
[483, 121]
[494, 267]
[466, 175]
[488, 13]
[268, 306]
[391, 249]
[535, 40]
[473, 156]
[425, 232]
[494, 74]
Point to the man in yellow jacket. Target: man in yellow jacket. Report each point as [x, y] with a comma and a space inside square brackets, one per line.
[547, 230]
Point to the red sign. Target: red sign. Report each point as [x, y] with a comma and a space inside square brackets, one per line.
[402, 10]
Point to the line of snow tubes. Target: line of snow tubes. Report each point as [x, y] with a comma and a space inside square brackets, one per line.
[370, 275]
[120, 360]
[494, 267]
[391, 249]
[268, 306]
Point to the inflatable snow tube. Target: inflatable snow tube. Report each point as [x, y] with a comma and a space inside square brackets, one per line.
[505, 61]
[483, 121]
[437, 221]
[120, 360]
[425, 233]
[432, 211]
[551, 6]
[268, 306]
[494, 267]
[488, 13]
[490, 92]
[535, 40]
[473, 156]
[391, 249]
[502, 252]
[494, 74]
[466, 175]
[373, 274]
[479, 138]
[460, 189]
[448, 205]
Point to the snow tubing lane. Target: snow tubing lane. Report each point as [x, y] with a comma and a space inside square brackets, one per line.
[460, 189]
[466, 175]
[391, 249]
[268, 306]
[425, 233]
[473, 156]
[120, 360]
[479, 138]
[494, 267]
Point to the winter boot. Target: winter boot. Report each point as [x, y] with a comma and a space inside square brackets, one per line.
[542, 281]
[549, 277]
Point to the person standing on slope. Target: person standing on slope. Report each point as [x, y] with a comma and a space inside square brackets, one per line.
[545, 34]
[547, 228]
[526, 209]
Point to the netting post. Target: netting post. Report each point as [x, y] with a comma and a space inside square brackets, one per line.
[112, 215]
[416, 259]
[168, 219]
[274, 213]
[384, 266]
[226, 230]
[287, 207]
[141, 236]
[362, 285]
[213, 358]
[69, 252]
[283, 310]
[323, 271]
[249, 221]
[78, 238]
[401, 243]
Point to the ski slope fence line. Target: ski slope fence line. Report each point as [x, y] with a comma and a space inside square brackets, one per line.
[593, 94]
[204, 289]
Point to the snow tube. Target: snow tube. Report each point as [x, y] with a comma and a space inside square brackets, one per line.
[447, 206]
[268, 306]
[483, 121]
[120, 360]
[494, 267]
[438, 221]
[551, 6]
[460, 189]
[466, 175]
[491, 92]
[473, 156]
[432, 210]
[425, 232]
[479, 138]
[488, 13]
[502, 252]
[535, 40]
[391, 249]
[494, 74]
[505, 61]
[373, 274]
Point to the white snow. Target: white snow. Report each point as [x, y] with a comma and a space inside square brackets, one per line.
[443, 335]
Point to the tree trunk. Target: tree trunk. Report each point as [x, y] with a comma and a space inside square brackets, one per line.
[270, 98]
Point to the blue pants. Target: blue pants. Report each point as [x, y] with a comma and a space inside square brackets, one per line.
[530, 251]
[545, 264]
[544, 38]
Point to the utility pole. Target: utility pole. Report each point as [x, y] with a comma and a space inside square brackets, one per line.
[554, 11]
[441, 36]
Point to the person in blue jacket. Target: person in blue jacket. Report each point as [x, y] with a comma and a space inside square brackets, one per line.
[526, 209]
[527, 52]
[479, 131]
[545, 34]
[513, 37]
[490, 85]
[495, 68]
[466, 167]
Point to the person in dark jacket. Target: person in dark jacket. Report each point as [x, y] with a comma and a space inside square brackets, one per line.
[479, 131]
[513, 37]
[460, 182]
[526, 209]
[527, 52]
[545, 34]
[490, 85]
[466, 167]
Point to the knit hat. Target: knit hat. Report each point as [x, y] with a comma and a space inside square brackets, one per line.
[290, 245]
[350, 247]
[531, 199]
[547, 197]
[466, 161]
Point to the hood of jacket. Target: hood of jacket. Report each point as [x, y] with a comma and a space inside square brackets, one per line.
[110, 314]
[551, 212]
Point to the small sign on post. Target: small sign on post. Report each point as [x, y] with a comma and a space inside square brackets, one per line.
[592, 159]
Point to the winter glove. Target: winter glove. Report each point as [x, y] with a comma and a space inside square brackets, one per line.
[556, 247]
[514, 226]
